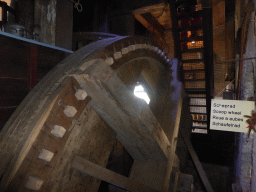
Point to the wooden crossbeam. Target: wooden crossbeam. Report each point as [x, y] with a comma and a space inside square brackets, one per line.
[157, 28]
[176, 181]
[131, 118]
[148, 21]
[150, 8]
[104, 174]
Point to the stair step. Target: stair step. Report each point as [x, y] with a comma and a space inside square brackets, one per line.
[195, 90]
[202, 131]
[190, 15]
[195, 38]
[197, 105]
[193, 61]
[194, 79]
[199, 127]
[199, 121]
[194, 70]
[198, 113]
[190, 28]
[192, 50]
[197, 97]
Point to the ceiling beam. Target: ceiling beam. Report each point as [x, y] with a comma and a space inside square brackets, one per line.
[148, 21]
[149, 8]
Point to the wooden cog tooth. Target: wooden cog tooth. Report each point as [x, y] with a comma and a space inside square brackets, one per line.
[46, 155]
[137, 46]
[81, 94]
[132, 48]
[151, 47]
[117, 55]
[156, 49]
[34, 183]
[58, 131]
[70, 111]
[125, 51]
[148, 46]
[109, 60]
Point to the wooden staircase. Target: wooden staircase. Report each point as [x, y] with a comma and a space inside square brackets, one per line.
[192, 30]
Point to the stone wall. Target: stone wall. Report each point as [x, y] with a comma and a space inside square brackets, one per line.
[245, 166]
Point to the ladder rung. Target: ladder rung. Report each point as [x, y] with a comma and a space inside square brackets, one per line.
[195, 38]
[194, 79]
[192, 50]
[193, 61]
[194, 70]
[190, 15]
[190, 28]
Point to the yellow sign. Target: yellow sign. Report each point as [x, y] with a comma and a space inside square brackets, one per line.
[228, 115]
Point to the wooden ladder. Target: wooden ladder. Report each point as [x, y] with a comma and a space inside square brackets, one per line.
[192, 30]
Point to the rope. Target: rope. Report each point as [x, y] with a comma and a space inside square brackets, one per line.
[77, 5]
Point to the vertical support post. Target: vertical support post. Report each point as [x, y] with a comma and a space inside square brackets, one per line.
[208, 59]
[198, 165]
[4, 12]
[175, 27]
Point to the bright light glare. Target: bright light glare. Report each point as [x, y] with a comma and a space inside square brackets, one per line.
[193, 42]
[139, 92]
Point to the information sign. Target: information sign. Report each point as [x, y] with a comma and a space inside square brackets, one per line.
[228, 115]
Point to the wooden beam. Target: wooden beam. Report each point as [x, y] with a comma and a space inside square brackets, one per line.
[154, 23]
[157, 174]
[176, 181]
[104, 174]
[130, 117]
[149, 8]
[176, 35]
[198, 165]
[148, 21]
[177, 97]
[172, 149]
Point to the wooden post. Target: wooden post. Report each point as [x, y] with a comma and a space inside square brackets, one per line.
[198, 165]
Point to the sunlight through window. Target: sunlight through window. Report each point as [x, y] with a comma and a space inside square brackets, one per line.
[140, 93]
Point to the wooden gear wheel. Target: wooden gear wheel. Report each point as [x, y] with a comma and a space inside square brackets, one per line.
[61, 135]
